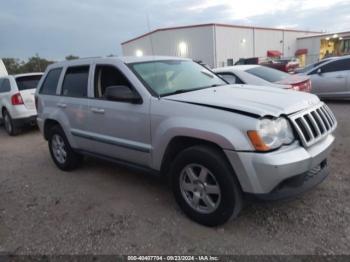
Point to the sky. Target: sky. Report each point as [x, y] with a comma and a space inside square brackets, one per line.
[55, 29]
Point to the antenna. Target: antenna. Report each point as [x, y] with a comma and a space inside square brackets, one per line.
[151, 35]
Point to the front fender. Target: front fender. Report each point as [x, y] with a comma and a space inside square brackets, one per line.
[225, 135]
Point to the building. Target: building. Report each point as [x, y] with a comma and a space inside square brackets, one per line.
[216, 44]
[312, 48]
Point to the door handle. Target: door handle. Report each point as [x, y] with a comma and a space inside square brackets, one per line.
[61, 105]
[339, 77]
[98, 110]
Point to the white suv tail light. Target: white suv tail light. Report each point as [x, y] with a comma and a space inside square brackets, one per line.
[16, 99]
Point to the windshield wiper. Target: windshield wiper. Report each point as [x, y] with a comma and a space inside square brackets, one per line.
[181, 91]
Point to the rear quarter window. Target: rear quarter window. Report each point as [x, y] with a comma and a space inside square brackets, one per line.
[50, 84]
[5, 85]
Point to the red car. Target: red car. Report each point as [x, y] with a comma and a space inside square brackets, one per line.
[285, 65]
[296, 82]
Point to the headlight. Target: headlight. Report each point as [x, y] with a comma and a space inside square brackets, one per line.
[271, 134]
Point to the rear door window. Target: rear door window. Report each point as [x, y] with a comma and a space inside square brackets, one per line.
[27, 82]
[339, 65]
[75, 83]
[50, 84]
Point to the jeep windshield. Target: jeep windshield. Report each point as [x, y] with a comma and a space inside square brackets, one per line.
[170, 77]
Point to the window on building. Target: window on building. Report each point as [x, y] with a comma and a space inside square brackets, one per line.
[75, 83]
[346, 46]
[51, 81]
[230, 62]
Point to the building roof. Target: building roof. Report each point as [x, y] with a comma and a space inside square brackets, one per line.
[216, 24]
[325, 34]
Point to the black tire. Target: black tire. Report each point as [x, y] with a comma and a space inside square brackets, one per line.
[230, 203]
[72, 159]
[10, 128]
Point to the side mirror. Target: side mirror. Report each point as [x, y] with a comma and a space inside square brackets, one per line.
[319, 71]
[122, 94]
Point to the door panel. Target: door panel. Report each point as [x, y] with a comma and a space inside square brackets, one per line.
[118, 129]
[73, 104]
[330, 84]
[332, 80]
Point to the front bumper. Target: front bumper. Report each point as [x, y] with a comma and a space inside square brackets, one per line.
[268, 173]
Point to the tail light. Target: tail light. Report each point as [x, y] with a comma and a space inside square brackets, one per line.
[304, 86]
[309, 86]
[16, 99]
[296, 87]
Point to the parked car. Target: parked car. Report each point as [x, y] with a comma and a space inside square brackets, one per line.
[259, 75]
[313, 65]
[331, 79]
[284, 65]
[17, 102]
[288, 65]
[173, 117]
[235, 75]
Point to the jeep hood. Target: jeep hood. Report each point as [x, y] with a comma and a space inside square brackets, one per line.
[257, 100]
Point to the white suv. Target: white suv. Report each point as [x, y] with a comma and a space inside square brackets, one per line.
[17, 101]
[174, 117]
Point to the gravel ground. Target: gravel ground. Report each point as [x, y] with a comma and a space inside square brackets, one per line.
[104, 209]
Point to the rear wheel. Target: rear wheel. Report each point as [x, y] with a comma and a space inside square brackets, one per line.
[205, 187]
[61, 152]
[8, 124]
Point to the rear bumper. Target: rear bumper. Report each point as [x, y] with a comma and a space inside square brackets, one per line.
[288, 168]
[21, 112]
[27, 121]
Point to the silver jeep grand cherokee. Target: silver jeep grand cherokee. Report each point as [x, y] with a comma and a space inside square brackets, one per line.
[215, 142]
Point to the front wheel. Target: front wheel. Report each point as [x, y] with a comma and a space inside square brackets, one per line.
[61, 152]
[205, 187]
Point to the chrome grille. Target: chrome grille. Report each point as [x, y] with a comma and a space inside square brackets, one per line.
[314, 124]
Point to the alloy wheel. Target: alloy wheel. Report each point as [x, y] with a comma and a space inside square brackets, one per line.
[59, 149]
[200, 188]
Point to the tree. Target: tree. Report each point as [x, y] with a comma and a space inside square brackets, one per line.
[13, 65]
[36, 64]
[71, 57]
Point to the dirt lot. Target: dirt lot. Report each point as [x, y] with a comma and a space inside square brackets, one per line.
[103, 208]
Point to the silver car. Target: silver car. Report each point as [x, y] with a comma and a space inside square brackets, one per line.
[331, 78]
[173, 117]
[238, 75]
